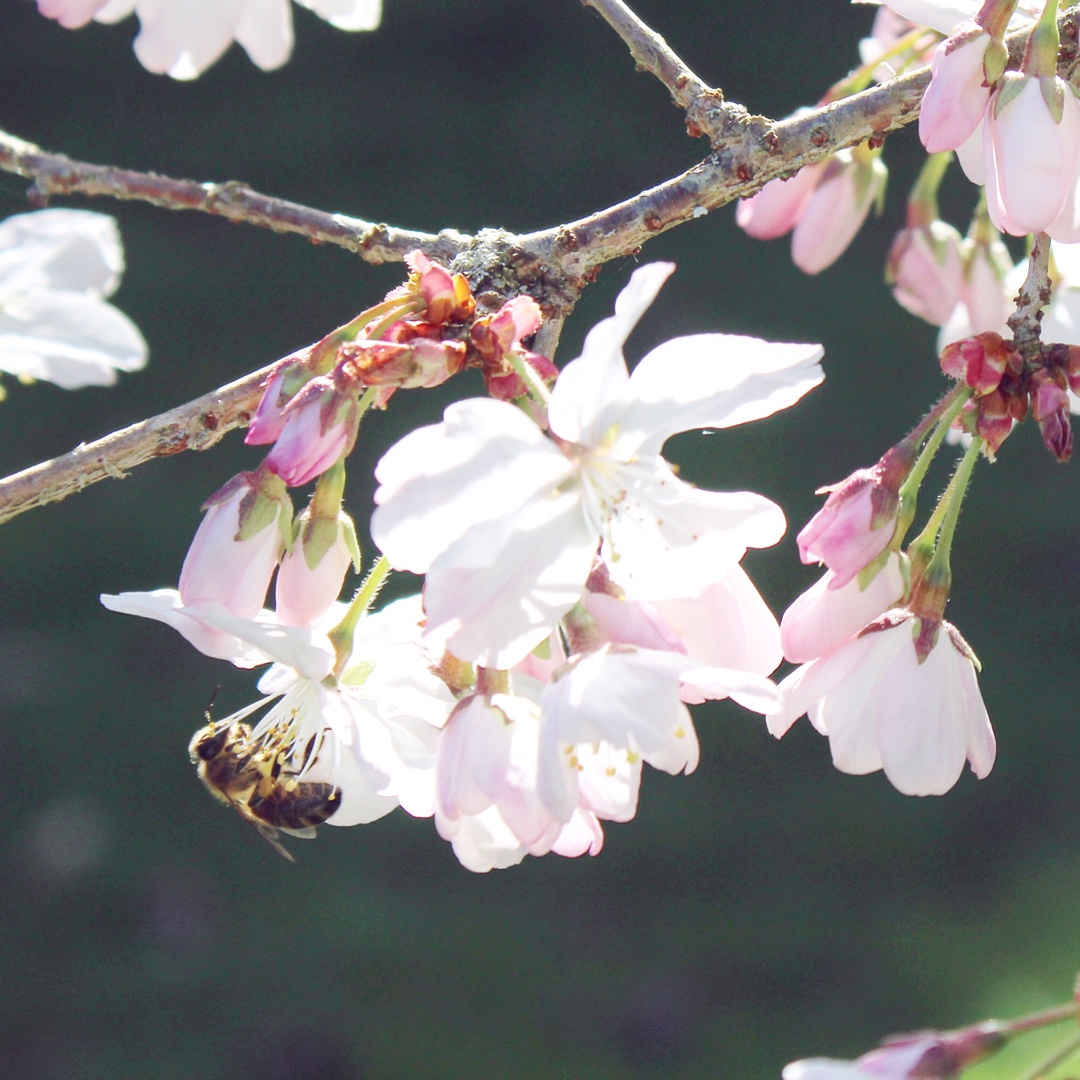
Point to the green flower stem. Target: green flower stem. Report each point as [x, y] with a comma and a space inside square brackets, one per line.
[329, 491]
[936, 422]
[341, 637]
[492, 681]
[1062, 1053]
[922, 202]
[1042, 47]
[536, 386]
[1054, 1015]
[994, 16]
[930, 548]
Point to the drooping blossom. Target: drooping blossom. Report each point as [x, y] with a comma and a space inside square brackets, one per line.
[955, 102]
[505, 519]
[778, 207]
[237, 546]
[56, 268]
[834, 213]
[182, 38]
[312, 572]
[1032, 153]
[926, 270]
[882, 708]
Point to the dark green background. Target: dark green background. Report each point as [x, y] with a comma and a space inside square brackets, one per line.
[762, 909]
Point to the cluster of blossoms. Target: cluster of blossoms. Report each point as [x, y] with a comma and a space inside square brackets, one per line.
[578, 595]
[182, 38]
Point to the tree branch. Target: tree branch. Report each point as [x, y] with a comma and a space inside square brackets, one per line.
[194, 426]
[552, 265]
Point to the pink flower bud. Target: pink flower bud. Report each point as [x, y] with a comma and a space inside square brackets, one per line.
[978, 361]
[955, 101]
[1050, 410]
[1032, 152]
[926, 271]
[836, 210]
[421, 363]
[311, 574]
[320, 427]
[234, 552]
[778, 206]
[856, 523]
[288, 376]
[985, 294]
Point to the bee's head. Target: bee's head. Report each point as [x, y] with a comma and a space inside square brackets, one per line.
[209, 742]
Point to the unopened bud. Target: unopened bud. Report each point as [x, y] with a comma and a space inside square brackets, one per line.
[1050, 410]
[978, 361]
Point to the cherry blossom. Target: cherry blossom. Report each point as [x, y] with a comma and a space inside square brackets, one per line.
[505, 519]
[56, 268]
[882, 708]
[955, 101]
[374, 717]
[237, 546]
[182, 38]
[1032, 153]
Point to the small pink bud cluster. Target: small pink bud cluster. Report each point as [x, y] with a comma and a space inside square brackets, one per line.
[1005, 390]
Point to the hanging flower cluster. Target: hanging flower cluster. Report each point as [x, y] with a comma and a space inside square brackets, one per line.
[578, 595]
[882, 673]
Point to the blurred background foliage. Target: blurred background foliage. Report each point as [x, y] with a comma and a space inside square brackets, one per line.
[764, 908]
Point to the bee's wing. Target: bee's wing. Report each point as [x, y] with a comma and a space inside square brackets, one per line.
[306, 832]
[270, 835]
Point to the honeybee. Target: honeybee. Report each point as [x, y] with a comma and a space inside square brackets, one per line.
[254, 777]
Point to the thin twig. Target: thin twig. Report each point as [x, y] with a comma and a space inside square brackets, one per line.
[1034, 295]
[651, 52]
[57, 174]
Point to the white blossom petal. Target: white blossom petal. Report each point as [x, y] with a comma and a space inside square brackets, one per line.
[165, 605]
[347, 14]
[265, 31]
[500, 590]
[485, 460]
[71, 339]
[590, 393]
[715, 381]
